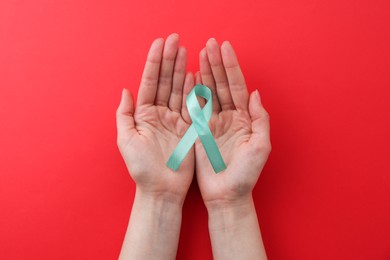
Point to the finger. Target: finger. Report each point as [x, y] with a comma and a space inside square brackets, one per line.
[235, 77]
[148, 88]
[218, 70]
[178, 80]
[260, 123]
[188, 85]
[166, 72]
[198, 80]
[124, 116]
[207, 78]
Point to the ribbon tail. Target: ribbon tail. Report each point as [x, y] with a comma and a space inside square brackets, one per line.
[182, 148]
[212, 151]
[209, 144]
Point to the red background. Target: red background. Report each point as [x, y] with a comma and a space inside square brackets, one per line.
[322, 68]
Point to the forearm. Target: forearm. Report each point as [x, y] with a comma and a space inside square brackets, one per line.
[154, 228]
[234, 230]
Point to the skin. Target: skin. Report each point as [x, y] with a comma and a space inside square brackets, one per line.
[240, 126]
[148, 133]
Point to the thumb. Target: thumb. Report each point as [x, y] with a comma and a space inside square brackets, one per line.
[260, 122]
[125, 116]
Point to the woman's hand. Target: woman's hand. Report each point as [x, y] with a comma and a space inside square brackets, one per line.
[240, 126]
[148, 135]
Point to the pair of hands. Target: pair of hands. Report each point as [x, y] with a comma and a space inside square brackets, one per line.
[148, 133]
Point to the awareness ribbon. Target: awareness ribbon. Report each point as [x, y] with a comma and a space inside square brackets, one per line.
[199, 128]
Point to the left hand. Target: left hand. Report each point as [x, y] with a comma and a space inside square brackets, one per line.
[148, 135]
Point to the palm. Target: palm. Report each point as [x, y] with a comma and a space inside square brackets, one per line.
[239, 125]
[233, 134]
[159, 131]
[148, 135]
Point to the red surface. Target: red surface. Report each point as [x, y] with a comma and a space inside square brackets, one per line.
[323, 71]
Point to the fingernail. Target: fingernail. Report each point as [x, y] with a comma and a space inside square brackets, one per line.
[258, 96]
[212, 40]
[227, 43]
[123, 94]
[157, 41]
[203, 52]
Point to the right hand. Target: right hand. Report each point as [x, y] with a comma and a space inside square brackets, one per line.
[240, 126]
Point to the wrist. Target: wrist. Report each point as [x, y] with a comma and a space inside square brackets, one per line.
[167, 199]
[153, 228]
[225, 214]
[229, 203]
[234, 229]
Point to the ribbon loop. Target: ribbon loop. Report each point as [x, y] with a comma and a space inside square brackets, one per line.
[199, 128]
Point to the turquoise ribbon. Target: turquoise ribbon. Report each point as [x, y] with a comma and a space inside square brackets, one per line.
[199, 128]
